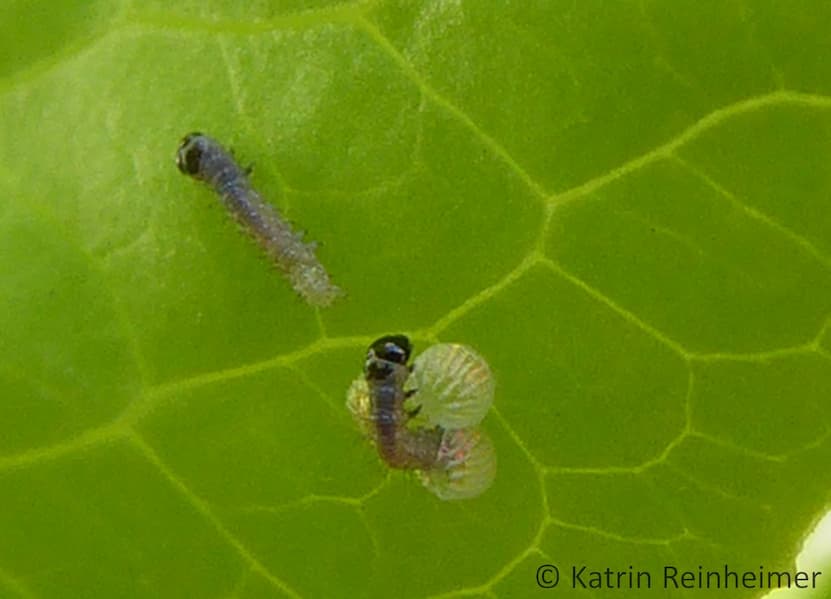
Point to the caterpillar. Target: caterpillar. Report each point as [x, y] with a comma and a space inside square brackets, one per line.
[437, 438]
[386, 371]
[204, 159]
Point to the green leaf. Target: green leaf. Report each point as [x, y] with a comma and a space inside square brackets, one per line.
[624, 206]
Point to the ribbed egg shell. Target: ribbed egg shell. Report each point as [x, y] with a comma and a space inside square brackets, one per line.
[453, 385]
[465, 468]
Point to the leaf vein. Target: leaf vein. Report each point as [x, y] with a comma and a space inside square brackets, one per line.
[683, 535]
[204, 510]
[705, 123]
[449, 107]
[800, 241]
[480, 297]
[630, 317]
[85, 440]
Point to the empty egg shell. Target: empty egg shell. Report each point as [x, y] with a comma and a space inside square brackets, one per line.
[466, 466]
[359, 403]
[454, 386]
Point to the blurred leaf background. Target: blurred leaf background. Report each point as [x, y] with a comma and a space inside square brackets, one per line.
[623, 205]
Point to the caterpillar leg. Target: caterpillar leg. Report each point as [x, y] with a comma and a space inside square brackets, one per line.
[413, 413]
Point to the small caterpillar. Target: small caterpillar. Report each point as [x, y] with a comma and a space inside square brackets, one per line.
[453, 460]
[202, 158]
[386, 371]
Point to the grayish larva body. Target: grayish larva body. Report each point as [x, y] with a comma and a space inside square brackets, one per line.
[204, 159]
[385, 372]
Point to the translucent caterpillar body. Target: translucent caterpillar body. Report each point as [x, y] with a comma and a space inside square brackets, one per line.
[204, 159]
[453, 462]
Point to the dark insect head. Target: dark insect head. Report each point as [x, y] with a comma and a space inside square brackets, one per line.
[384, 354]
[392, 348]
[378, 370]
[190, 151]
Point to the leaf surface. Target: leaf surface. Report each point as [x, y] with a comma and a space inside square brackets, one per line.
[623, 206]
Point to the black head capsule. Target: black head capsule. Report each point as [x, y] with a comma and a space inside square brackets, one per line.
[385, 354]
[390, 348]
[189, 154]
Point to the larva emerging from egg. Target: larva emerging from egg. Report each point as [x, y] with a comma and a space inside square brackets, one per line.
[204, 159]
[434, 435]
[385, 372]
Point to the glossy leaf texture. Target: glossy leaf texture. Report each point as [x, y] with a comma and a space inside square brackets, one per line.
[622, 206]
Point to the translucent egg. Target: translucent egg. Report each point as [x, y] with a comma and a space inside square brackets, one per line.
[465, 468]
[453, 385]
[359, 403]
